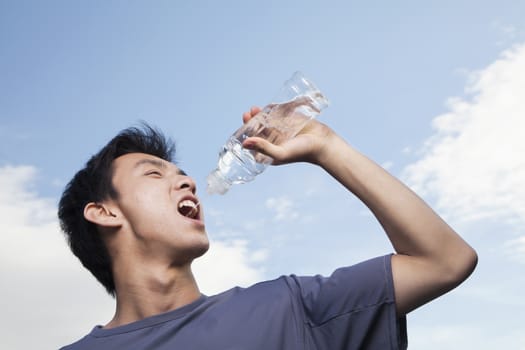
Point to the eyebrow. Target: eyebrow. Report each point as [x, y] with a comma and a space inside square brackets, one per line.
[154, 162]
[157, 163]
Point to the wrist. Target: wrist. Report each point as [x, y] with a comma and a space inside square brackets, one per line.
[329, 150]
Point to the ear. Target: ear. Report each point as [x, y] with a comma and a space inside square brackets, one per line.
[101, 214]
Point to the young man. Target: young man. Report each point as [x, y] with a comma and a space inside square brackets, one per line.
[131, 217]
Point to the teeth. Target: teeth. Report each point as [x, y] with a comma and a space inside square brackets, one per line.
[187, 203]
[188, 208]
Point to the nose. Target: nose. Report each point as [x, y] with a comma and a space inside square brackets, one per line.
[186, 182]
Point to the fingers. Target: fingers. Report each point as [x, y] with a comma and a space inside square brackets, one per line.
[265, 147]
[246, 116]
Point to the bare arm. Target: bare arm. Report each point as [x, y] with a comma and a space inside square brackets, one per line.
[431, 257]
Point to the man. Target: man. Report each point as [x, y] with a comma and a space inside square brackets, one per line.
[131, 216]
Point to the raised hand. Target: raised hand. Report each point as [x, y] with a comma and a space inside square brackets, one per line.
[309, 145]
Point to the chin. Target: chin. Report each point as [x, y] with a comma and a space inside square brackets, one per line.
[203, 250]
[200, 248]
[188, 255]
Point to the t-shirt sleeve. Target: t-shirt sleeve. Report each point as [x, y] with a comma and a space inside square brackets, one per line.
[354, 308]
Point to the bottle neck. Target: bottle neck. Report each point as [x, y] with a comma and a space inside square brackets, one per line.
[217, 184]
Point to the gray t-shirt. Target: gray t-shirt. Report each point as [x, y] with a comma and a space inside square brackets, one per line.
[354, 308]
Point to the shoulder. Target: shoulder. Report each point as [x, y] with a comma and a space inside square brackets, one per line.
[265, 290]
[81, 344]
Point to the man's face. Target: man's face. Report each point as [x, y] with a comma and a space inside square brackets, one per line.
[158, 203]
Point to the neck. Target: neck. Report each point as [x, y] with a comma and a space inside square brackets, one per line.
[147, 291]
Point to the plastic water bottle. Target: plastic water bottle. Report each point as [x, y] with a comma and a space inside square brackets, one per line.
[297, 102]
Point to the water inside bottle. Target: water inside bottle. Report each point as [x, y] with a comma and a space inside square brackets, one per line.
[277, 122]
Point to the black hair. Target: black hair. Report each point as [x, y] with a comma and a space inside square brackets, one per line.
[93, 183]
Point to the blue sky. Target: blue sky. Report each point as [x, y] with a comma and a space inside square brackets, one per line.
[431, 92]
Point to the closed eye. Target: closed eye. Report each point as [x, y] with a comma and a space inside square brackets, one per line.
[153, 172]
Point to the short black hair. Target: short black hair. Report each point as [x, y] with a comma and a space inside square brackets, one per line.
[93, 183]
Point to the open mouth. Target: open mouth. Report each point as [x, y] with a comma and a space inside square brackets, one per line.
[189, 209]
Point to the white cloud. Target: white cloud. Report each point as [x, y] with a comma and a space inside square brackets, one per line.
[227, 265]
[283, 208]
[503, 293]
[474, 164]
[463, 337]
[29, 229]
[515, 249]
[507, 33]
[44, 287]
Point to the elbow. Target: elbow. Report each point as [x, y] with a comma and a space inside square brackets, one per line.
[470, 261]
[462, 266]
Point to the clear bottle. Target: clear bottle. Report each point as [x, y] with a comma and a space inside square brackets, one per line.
[297, 102]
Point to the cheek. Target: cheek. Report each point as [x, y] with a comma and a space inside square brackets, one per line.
[149, 220]
[147, 207]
